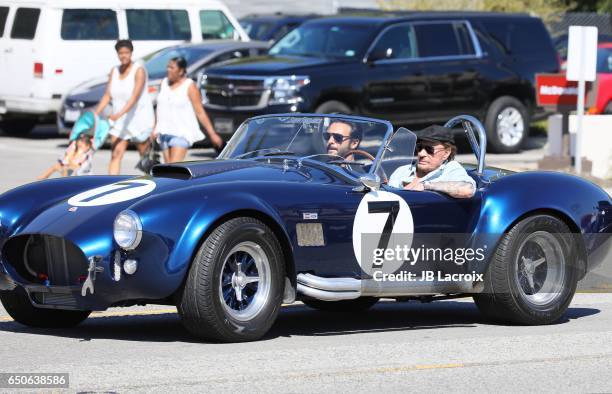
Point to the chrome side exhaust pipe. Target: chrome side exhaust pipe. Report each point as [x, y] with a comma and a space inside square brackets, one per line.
[336, 289]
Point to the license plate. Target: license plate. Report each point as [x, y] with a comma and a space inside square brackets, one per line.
[71, 115]
[224, 126]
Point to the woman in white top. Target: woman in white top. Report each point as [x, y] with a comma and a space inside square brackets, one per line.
[179, 108]
[132, 118]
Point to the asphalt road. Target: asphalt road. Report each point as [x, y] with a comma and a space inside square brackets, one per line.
[395, 347]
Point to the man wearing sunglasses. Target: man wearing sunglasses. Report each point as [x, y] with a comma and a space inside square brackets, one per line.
[341, 138]
[436, 168]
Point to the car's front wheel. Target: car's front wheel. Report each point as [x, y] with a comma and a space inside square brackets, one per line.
[533, 273]
[234, 288]
[17, 303]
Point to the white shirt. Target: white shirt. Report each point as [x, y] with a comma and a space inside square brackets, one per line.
[140, 119]
[447, 172]
[175, 113]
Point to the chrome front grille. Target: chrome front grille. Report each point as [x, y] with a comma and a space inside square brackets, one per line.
[235, 92]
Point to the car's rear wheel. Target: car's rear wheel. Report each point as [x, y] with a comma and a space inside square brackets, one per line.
[507, 124]
[533, 273]
[234, 288]
[17, 303]
[333, 107]
[356, 305]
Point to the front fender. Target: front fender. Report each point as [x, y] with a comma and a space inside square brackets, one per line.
[174, 224]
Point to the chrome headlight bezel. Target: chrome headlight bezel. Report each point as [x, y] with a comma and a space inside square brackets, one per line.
[127, 230]
[285, 89]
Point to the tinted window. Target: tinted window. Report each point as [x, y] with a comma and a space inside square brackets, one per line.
[437, 39]
[325, 40]
[464, 39]
[156, 65]
[89, 24]
[158, 25]
[257, 30]
[398, 42]
[25, 23]
[499, 32]
[3, 14]
[529, 38]
[604, 60]
[215, 25]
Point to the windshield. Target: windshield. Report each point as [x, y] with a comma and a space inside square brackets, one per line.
[604, 60]
[325, 40]
[336, 140]
[156, 65]
[257, 30]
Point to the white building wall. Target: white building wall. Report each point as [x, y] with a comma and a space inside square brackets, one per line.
[243, 7]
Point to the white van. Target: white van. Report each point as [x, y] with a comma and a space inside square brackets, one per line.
[47, 47]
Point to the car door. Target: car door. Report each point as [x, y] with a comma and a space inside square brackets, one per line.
[453, 59]
[395, 85]
[20, 52]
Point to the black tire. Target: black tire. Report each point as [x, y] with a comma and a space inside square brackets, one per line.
[333, 107]
[356, 305]
[17, 127]
[497, 107]
[202, 308]
[504, 301]
[18, 305]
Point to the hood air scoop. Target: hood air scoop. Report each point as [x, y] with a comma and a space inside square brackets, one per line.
[199, 169]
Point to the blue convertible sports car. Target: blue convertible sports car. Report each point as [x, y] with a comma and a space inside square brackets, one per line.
[277, 218]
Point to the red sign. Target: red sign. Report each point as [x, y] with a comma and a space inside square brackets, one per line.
[555, 90]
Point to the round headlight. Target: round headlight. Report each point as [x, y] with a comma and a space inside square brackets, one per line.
[127, 230]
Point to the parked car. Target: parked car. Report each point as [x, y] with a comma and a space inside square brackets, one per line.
[199, 56]
[417, 69]
[49, 46]
[276, 218]
[272, 27]
[603, 103]
[561, 42]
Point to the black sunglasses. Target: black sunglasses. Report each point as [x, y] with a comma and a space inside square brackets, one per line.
[338, 138]
[430, 149]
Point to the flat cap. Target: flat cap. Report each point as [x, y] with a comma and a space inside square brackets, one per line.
[436, 133]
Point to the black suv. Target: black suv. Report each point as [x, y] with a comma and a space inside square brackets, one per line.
[418, 69]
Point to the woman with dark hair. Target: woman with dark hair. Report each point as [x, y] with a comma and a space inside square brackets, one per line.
[179, 109]
[132, 116]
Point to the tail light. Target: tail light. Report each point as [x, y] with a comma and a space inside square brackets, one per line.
[38, 70]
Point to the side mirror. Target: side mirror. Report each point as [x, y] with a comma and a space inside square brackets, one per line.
[370, 181]
[380, 54]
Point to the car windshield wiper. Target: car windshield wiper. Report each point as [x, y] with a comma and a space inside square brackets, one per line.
[279, 153]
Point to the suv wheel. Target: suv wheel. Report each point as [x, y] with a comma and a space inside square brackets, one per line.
[507, 124]
[333, 107]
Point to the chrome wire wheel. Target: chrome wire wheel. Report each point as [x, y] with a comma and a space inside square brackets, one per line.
[540, 269]
[245, 281]
[510, 126]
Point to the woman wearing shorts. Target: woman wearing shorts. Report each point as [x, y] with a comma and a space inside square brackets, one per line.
[179, 109]
[132, 116]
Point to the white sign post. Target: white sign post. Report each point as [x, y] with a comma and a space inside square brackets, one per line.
[581, 67]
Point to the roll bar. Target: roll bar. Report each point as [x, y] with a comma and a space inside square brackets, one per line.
[479, 149]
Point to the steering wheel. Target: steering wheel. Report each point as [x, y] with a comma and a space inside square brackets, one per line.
[368, 156]
[359, 152]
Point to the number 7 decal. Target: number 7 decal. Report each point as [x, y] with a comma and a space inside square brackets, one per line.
[390, 207]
